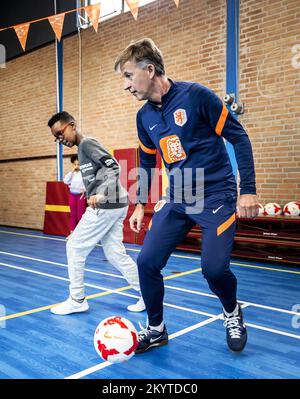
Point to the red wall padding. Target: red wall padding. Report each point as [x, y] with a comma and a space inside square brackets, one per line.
[128, 161]
[57, 193]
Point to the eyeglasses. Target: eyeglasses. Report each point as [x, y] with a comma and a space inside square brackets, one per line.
[59, 134]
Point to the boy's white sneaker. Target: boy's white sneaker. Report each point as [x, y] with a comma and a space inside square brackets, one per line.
[137, 307]
[70, 306]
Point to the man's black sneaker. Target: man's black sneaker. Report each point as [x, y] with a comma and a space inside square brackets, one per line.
[148, 338]
[236, 333]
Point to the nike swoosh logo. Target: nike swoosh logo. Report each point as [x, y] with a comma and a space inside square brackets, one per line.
[216, 210]
[152, 127]
[154, 339]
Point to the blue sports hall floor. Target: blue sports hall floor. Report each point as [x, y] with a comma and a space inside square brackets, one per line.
[35, 344]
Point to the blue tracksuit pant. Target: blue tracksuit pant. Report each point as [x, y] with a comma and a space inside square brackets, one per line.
[169, 226]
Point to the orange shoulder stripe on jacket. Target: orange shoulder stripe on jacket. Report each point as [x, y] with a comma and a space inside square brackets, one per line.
[224, 226]
[146, 149]
[222, 120]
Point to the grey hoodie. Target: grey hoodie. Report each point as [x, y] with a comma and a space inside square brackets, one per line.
[101, 174]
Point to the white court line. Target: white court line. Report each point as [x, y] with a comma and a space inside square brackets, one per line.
[60, 264]
[174, 335]
[33, 271]
[103, 365]
[244, 304]
[166, 286]
[65, 279]
[172, 255]
[102, 288]
[257, 305]
[88, 371]
[272, 330]
[97, 245]
[61, 239]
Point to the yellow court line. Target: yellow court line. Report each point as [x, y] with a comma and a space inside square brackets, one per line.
[12, 316]
[182, 274]
[36, 310]
[173, 255]
[99, 294]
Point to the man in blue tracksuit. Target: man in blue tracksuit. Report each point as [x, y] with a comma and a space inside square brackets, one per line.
[186, 122]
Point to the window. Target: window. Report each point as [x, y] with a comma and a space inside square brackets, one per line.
[141, 4]
[108, 9]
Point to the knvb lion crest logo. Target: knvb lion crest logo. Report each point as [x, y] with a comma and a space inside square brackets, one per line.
[159, 205]
[172, 149]
[180, 117]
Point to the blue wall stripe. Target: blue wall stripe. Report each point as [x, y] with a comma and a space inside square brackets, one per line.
[232, 63]
[59, 61]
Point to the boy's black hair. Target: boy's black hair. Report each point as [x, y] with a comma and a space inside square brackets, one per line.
[60, 116]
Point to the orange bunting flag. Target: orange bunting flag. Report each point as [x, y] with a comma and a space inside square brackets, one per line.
[176, 2]
[22, 33]
[57, 23]
[93, 13]
[134, 7]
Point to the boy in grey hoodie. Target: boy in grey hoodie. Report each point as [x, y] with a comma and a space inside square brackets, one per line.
[103, 219]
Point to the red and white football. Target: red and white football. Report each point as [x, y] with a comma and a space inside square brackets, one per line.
[292, 208]
[272, 209]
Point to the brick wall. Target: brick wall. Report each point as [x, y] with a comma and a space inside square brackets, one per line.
[23, 191]
[191, 37]
[193, 41]
[270, 88]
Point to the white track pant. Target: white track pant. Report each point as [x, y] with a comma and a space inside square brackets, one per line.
[105, 225]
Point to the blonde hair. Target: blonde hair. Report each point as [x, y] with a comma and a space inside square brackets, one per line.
[143, 52]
